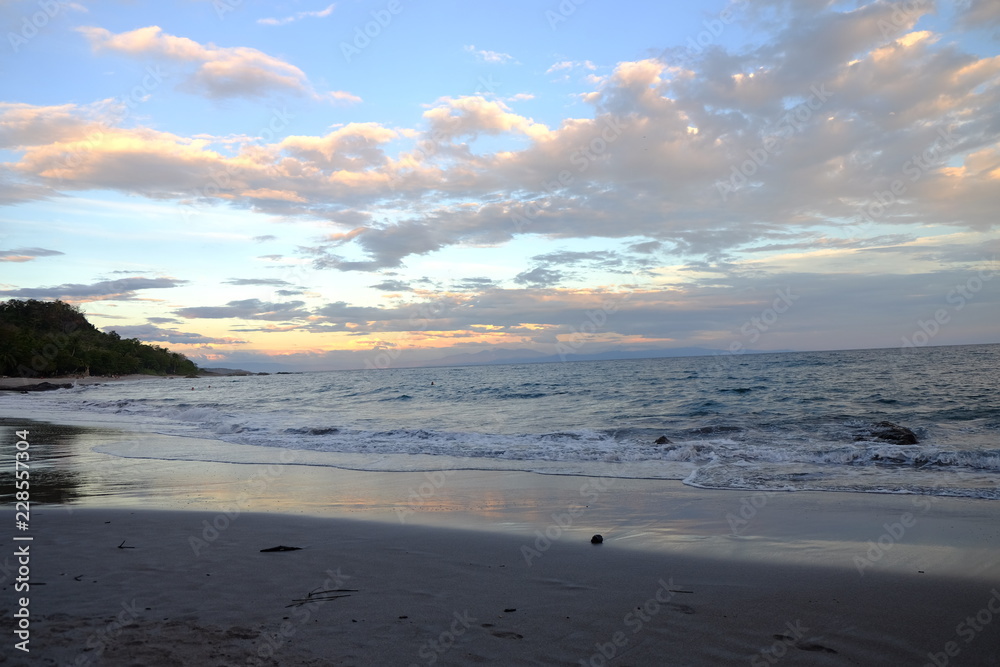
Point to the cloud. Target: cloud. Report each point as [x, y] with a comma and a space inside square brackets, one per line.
[321, 13]
[353, 148]
[141, 161]
[646, 247]
[26, 254]
[473, 115]
[392, 286]
[604, 258]
[248, 309]
[219, 72]
[107, 290]
[28, 125]
[268, 193]
[341, 311]
[975, 14]
[539, 277]
[491, 56]
[151, 333]
[570, 65]
[474, 284]
[265, 237]
[272, 282]
[14, 189]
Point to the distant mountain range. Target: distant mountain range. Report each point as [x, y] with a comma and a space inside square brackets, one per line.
[509, 356]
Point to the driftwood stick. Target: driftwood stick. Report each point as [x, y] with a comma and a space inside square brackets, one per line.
[335, 590]
[299, 603]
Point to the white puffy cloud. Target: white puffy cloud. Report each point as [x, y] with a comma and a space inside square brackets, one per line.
[473, 115]
[218, 72]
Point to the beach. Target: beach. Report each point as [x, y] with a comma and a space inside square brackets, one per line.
[154, 562]
[571, 334]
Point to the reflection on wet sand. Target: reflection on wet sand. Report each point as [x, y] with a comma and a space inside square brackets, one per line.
[61, 464]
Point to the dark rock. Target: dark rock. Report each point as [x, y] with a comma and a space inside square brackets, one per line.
[890, 433]
[662, 440]
[314, 430]
[281, 547]
[41, 386]
[597, 539]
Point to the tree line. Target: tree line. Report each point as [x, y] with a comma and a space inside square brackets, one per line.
[49, 338]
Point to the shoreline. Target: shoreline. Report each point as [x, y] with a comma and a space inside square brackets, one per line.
[105, 464]
[15, 382]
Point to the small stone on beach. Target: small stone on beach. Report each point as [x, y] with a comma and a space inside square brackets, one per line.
[597, 539]
[281, 547]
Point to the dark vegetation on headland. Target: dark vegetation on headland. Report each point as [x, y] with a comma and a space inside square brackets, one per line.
[51, 338]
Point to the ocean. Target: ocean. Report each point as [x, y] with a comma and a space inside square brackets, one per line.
[769, 422]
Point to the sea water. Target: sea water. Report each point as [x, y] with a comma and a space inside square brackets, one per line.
[781, 422]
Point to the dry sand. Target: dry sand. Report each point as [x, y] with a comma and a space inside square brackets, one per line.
[120, 587]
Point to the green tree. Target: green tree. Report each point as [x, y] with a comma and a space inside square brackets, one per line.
[55, 338]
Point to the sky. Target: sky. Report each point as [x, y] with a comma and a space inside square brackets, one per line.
[305, 185]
